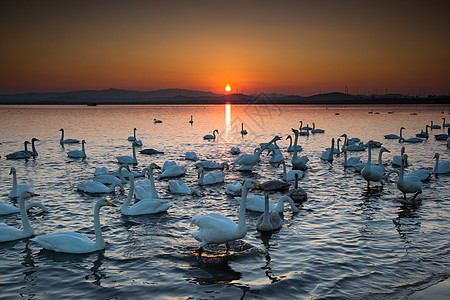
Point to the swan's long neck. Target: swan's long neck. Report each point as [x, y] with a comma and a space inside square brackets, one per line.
[26, 147]
[401, 129]
[152, 184]
[435, 169]
[330, 155]
[242, 126]
[99, 242]
[295, 145]
[242, 226]
[134, 153]
[83, 149]
[214, 134]
[402, 169]
[112, 187]
[134, 133]
[258, 153]
[284, 170]
[337, 147]
[314, 126]
[380, 160]
[14, 187]
[265, 221]
[202, 177]
[345, 158]
[369, 157]
[296, 181]
[130, 193]
[33, 148]
[62, 136]
[290, 141]
[122, 179]
[345, 140]
[23, 215]
[280, 205]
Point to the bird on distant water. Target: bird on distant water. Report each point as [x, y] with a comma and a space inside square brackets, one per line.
[66, 141]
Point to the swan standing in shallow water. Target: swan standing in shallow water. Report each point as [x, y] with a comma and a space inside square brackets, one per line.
[408, 184]
[144, 206]
[211, 136]
[126, 159]
[372, 172]
[74, 242]
[10, 233]
[146, 188]
[66, 141]
[214, 228]
[78, 153]
[23, 154]
[269, 220]
[441, 167]
[17, 189]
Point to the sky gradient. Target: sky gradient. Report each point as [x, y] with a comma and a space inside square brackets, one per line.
[292, 47]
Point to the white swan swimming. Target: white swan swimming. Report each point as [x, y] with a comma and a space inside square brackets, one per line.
[66, 141]
[234, 188]
[23, 154]
[172, 171]
[277, 156]
[190, 155]
[210, 178]
[74, 242]
[445, 124]
[145, 206]
[397, 159]
[146, 188]
[211, 136]
[78, 153]
[126, 159]
[290, 176]
[110, 179]
[133, 137]
[298, 163]
[291, 147]
[434, 126]
[214, 228]
[10, 233]
[269, 220]
[372, 172]
[7, 209]
[211, 165]
[191, 121]
[179, 187]
[235, 150]
[410, 140]
[351, 161]
[243, 131]
[316, 130]
[297, 193]
[423, 134]
[408, 184]
[441, 167]
[247, 161]
[328, 154]
[33, 151]
[18, 189]
[394, 136]
[95, 187]
[256, 203]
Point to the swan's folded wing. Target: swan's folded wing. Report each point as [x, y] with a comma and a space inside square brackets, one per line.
[68, 241]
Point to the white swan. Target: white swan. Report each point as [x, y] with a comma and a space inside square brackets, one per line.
[133, 137]
[394, 136]
[247, 161]
[66, 141]
[290, 176]
[297, 193]
[110, 179]
[316, 130]
[210, 165]
[352, 161]
[23, 154]
[18, 189]
[441, 167]
[191, 121]
[211, 136]
[74, 242]
[434, 126]
[256, 203]
[410, 140]
[95, 187]
[78, 153]
[408, 184]
[397, 159]
[10, 233]
[269, 220]
[328, 154]
[126, 159]
[172, 171]
[235, 150]
[7, 209]
[210, 178]
[144, 206]
[243, 131]
[423, 175]
[190, 155]
[214, 228]
[298, 163]
[146, 188]
[234, 188]
[372, 172]
[179, 187]
[380, 159]
[423, 134]
[291, 147]
[277, 156]
[304, 130]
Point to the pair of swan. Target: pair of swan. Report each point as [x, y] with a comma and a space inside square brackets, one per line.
[214, 228]
[145, 188]
[373, 172]
[210, 178]
[66, 141]
[134, 139]
[211, 136]
[423, 134]
[247, 161]
[74, 242]
[17, 189]
[298, 163]
[394, 136]
[23, 154]
[10, 233]
[257, 203]
[144, 206]
[270, 219]
[291, 147]
[126, 159]
[78, 153]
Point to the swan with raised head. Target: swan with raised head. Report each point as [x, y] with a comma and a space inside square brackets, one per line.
[133, 137]
[394, 136]
[74, 242]
[78, 153]
[423, 134]
[247, 161]
[297, 193]
[214, 228]
[298, 163]
[441, 167]
[33, 151]
[351, 161]
[269, 220]
[397, 159]
[126, 159]
[110, 179]
[380, 159]
[191, 121]
[17, 189]
[328, 154]
[256, 203]
[146, 188]
[7, 209]
[211, 136]
[179, 187]
[145, 206]
[445, 124]
[372, 172]
[243, 131]
[66, 141]
[10, 233]
[210, 178]
[412, 140]
[316, 130]
[23, 154]
[291, 147]
[96, 187]
[434, 126]
[408, 184]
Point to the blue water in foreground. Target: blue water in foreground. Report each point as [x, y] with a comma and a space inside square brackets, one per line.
[345, 242]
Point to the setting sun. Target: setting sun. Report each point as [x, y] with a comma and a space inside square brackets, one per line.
[227, 88]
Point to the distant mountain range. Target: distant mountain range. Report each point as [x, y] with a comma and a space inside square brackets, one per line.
[185, 96]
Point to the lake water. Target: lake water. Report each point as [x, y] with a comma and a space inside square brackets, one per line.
[344, 243]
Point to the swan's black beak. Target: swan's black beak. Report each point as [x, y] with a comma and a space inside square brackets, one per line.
[157, 167]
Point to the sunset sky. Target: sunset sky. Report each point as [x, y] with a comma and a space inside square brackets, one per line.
[292, 47]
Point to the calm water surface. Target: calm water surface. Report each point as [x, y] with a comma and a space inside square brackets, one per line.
[344, 242]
